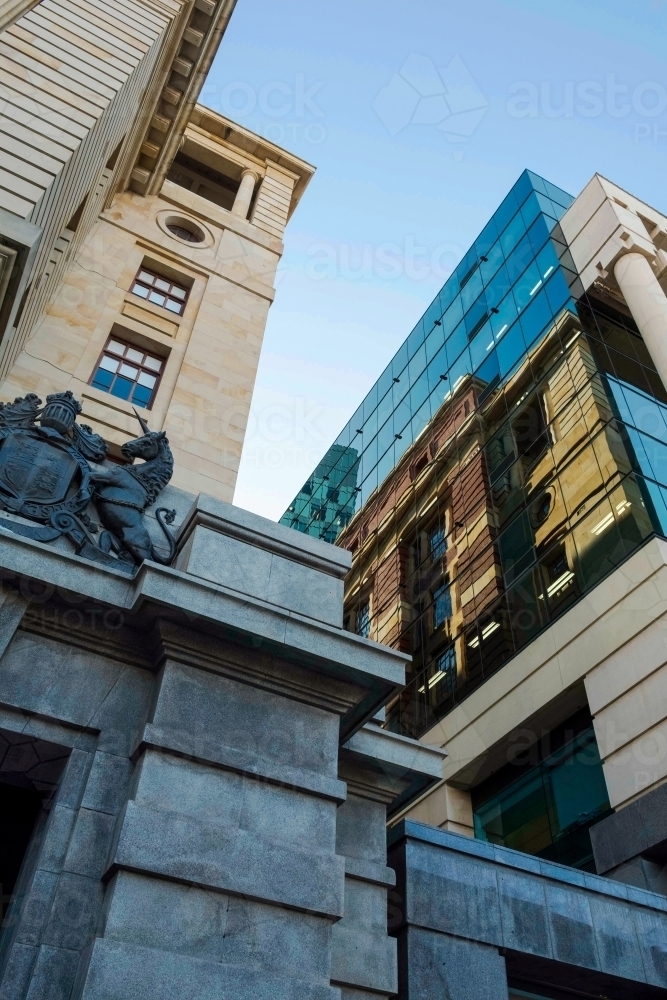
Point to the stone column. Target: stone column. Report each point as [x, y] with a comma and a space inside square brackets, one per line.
[647, 303]
[244, 194]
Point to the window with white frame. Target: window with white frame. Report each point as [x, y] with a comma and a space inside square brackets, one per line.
[160, 291]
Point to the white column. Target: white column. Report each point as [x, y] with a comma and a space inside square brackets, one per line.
[647, 303]
[244, 194]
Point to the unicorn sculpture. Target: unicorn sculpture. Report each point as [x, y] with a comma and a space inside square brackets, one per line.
[123, 493]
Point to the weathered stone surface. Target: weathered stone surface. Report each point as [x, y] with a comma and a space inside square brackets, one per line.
[120, 970]
[545, 915]
[362, 954]
[259, 725]
[189, 920]
[444, 966]
[225, 831]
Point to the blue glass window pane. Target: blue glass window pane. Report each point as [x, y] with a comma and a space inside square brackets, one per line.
[466, 265]
[403, 443]
[402, 415]
[437, 367]
[510, 349]
[476, 316]
[141, 395]
[503, 319]
[370, 483]
[417, 364]
[530, 211]
[639, 409]
[494, 259]
[122, 388]
[486, 239]
[448, 292]
[371, 402]
[457, 342]
[489, 371]
[102, 379]
[471, 290]
[527, 286]
[416, 338]
[385, 436]
[434, 343]
[557, 291]
[547, 206]
[481, 345]
[419, 392]
[523, 186]
[537, 182]
[547, 261]
[656, 453]
[535, 319]
[439, 393]
[370, 425]
[557, 195]
[421, 418]
[400, 360]
[459, 369]
[508, 208]
[384, 382]
[519, 260]
[513, 234]
[357, 420]
[538, 234]
[657, 498]
[385, 406]
[498, 288]
[452, 317]
[386, 463]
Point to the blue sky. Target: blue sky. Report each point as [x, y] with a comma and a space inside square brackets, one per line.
[419, 116]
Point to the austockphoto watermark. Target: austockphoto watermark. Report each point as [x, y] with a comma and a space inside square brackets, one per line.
[282, 111]
[610, 97]
[384, 261]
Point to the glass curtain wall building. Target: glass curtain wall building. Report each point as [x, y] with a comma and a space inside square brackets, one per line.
[510, 456]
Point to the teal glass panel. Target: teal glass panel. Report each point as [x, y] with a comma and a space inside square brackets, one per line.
[452, 317]
[512, 235]
[494, 259]
[510, 349]
[527, 286]
[557, 291]
[548, 809]
[535, 318]
[506, 211]
[530, 210]
[471, 290]
[457, 342]
[480, 346]
[538, 234]
[505, 315]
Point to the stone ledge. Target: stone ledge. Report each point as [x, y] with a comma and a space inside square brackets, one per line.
[265, 534]
[232, 759]
[369, 871]
[507, 858]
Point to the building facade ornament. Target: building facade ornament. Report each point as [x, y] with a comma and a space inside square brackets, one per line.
[46, 477]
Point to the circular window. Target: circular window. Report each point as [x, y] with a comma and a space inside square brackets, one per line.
[184, 229]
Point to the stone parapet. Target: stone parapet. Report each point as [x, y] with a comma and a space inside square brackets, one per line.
[472, 918]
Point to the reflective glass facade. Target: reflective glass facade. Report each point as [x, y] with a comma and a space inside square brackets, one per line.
[509, 457]
[546, 806]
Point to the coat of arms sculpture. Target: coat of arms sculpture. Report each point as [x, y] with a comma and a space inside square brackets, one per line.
[51, 474]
